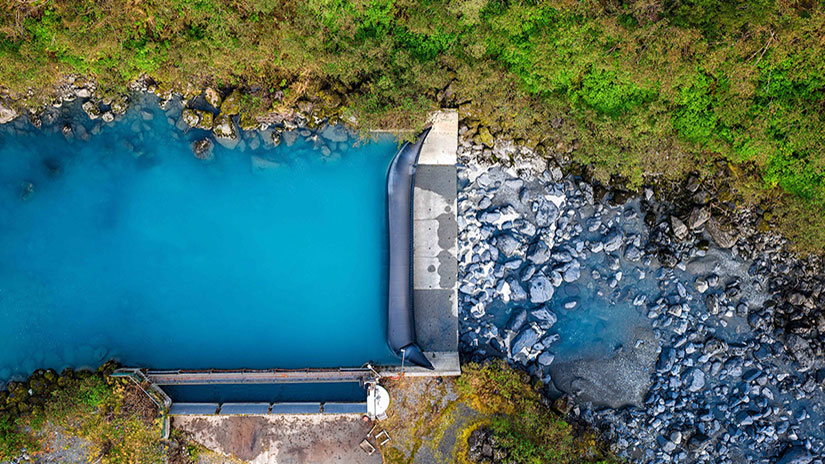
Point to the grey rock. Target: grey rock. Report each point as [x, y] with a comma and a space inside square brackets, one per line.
[695, 380]
[538, 252]
[633, 253]
[226, 133]
[507, 244]
[546, 213]
[614, 240]
[722, 238]
[571, 271]
[678, 227]
[546, 358]
[7, 114]
[698, 217]
[528, 337]
[541, 289]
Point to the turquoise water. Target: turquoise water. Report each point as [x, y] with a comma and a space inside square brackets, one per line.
[126, 246]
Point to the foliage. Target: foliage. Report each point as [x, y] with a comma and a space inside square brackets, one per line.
[526, 428]
[640, 91]
[104, 412]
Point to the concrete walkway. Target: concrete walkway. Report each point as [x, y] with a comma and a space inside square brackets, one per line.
[435, 247]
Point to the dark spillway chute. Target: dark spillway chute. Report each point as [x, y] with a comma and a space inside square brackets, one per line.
[400, 317]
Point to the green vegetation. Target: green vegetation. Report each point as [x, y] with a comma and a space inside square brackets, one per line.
[529, 431]
[113, 417]
[641, 91]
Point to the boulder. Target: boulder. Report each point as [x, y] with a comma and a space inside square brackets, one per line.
[517, 320]
[225, 131]
[722, 238]
[120, 104]
[539, 252]
[7, 114]
[190, 117]
[546, 358]
[91, 109]
[613, 241]
[507, 244]
[802, 351]
[546, 213]
[212, 97]
[694, 380]
[795, 455]
[485, 138]
[571, 271]
[232, 104]
[541, 289]
[678, 227]
[698, 217]
[525, 340]
[205, 120]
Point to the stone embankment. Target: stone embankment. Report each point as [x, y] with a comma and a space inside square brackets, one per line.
[206, 115]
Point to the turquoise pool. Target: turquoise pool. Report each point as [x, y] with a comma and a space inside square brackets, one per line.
[128, 247]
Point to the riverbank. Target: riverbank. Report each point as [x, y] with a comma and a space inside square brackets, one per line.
[642, 93]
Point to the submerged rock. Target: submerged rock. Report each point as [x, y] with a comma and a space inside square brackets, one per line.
[202, 149]
[26, 190]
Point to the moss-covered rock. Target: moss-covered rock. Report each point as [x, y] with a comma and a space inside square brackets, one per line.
[213, 97]
[232, 104]
[485, 138]
[226, 133]
[205, 120]
[190, 117]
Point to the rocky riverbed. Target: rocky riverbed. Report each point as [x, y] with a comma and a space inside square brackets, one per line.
[681, 340]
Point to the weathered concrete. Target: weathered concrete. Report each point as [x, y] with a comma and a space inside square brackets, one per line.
[285, 439]
[435, 244]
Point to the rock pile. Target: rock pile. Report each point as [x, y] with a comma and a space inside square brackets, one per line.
[733, 369]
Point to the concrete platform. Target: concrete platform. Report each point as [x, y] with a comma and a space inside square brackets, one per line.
[435, 244]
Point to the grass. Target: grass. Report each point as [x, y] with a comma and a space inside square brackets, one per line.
[643, 91]
[526, 428]
[113, 417]
[433, 419]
